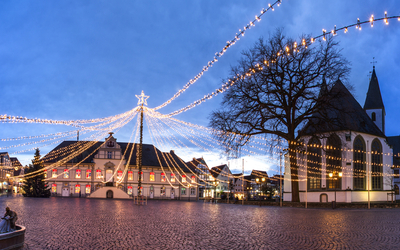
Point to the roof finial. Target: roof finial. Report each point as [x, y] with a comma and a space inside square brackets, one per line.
[373, 62]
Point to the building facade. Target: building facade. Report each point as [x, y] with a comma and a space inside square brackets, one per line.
[110, 170]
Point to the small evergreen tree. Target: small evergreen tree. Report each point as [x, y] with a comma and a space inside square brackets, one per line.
[34, 185]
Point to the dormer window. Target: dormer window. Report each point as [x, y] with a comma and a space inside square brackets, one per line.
[110, 144]
[373, 116]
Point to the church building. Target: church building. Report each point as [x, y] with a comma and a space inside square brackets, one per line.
[346, 156]
[109, 170]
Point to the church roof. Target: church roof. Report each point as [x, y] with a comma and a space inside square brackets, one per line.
[150, 154]
[338, 110]
[374, 97]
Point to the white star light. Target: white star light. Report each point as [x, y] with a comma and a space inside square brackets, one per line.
[142, 98]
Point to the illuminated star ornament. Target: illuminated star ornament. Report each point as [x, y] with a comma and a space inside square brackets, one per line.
[142, 98]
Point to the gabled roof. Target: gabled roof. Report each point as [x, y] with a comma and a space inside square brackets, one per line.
[374, 97]
[338, 110]
[215, 171]
[195, 162]
[150, 154]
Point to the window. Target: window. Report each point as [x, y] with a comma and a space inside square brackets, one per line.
[45, 174]
[183, 192]
[193, 179]
[66, 173]
[333, 162]
[172, 177]
[54, 188]
[88, 174]
[162, 190]
[109, 155]
[54, 173]
[130, 176]
[183, 178]
[359, 163]
[162, 177]
[119, 174]
[110, 144]
[373, 116]
[192, 191]
[141, 175]
[77, 189]
[314, 164]
[78, 174]
[130, 190]
[376, 165]
[396, 173]
[87, 189]
[152, 178]
[98, 174]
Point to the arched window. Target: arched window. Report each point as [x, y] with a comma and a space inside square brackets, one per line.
[130, 190]
[54, 173]
[193, 179]
[172, 177]
[359, 163]
[87, 189]
[333, 162]
[314, 164]
[77, 189]
[54, 188]
[152, 176]
[88, 174]
[162, 177]
[78, 174]
[98, 174]
[183, 178]
[376, 165]
[130, 175]
[119, 174]
[373, 116]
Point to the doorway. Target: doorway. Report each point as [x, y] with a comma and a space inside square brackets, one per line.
[109, 194]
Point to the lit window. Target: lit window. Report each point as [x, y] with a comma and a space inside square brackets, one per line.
[193, 179]
[183, 178]
[183, 191]
[45, 174]
[88, 189]
[66, 173]
[192, 191]
[98, 174]
[141, 174]
[152, 178]
[162, 190]
[130, 175]
[257, 180]
[162, 177]
[88, 174]
[109, 155]
[172, 177]
[119, 174]
[54, 188]
[78, 174]
[77, 189]
[54, 173]
[263, 179]
[130, 190]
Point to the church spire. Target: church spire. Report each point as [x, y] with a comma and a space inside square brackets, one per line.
[374, 104]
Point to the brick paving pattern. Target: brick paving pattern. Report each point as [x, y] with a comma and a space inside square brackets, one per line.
[73, 223]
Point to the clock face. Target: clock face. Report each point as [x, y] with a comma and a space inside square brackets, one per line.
[110, 144]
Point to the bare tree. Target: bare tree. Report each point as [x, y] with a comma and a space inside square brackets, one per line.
[281, 94]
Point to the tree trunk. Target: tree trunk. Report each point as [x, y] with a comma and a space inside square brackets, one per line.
[294, 173]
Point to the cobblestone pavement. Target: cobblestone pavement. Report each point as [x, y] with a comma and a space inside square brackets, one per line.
[73, 223]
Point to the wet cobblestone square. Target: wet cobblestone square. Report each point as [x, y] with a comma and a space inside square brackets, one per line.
[73, 223]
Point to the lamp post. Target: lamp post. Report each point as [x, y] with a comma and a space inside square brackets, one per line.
[335, 176]
[189, 192]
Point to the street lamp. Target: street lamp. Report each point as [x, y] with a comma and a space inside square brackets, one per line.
[335, 176]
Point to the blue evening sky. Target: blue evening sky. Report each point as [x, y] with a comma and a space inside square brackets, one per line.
[69, 60]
